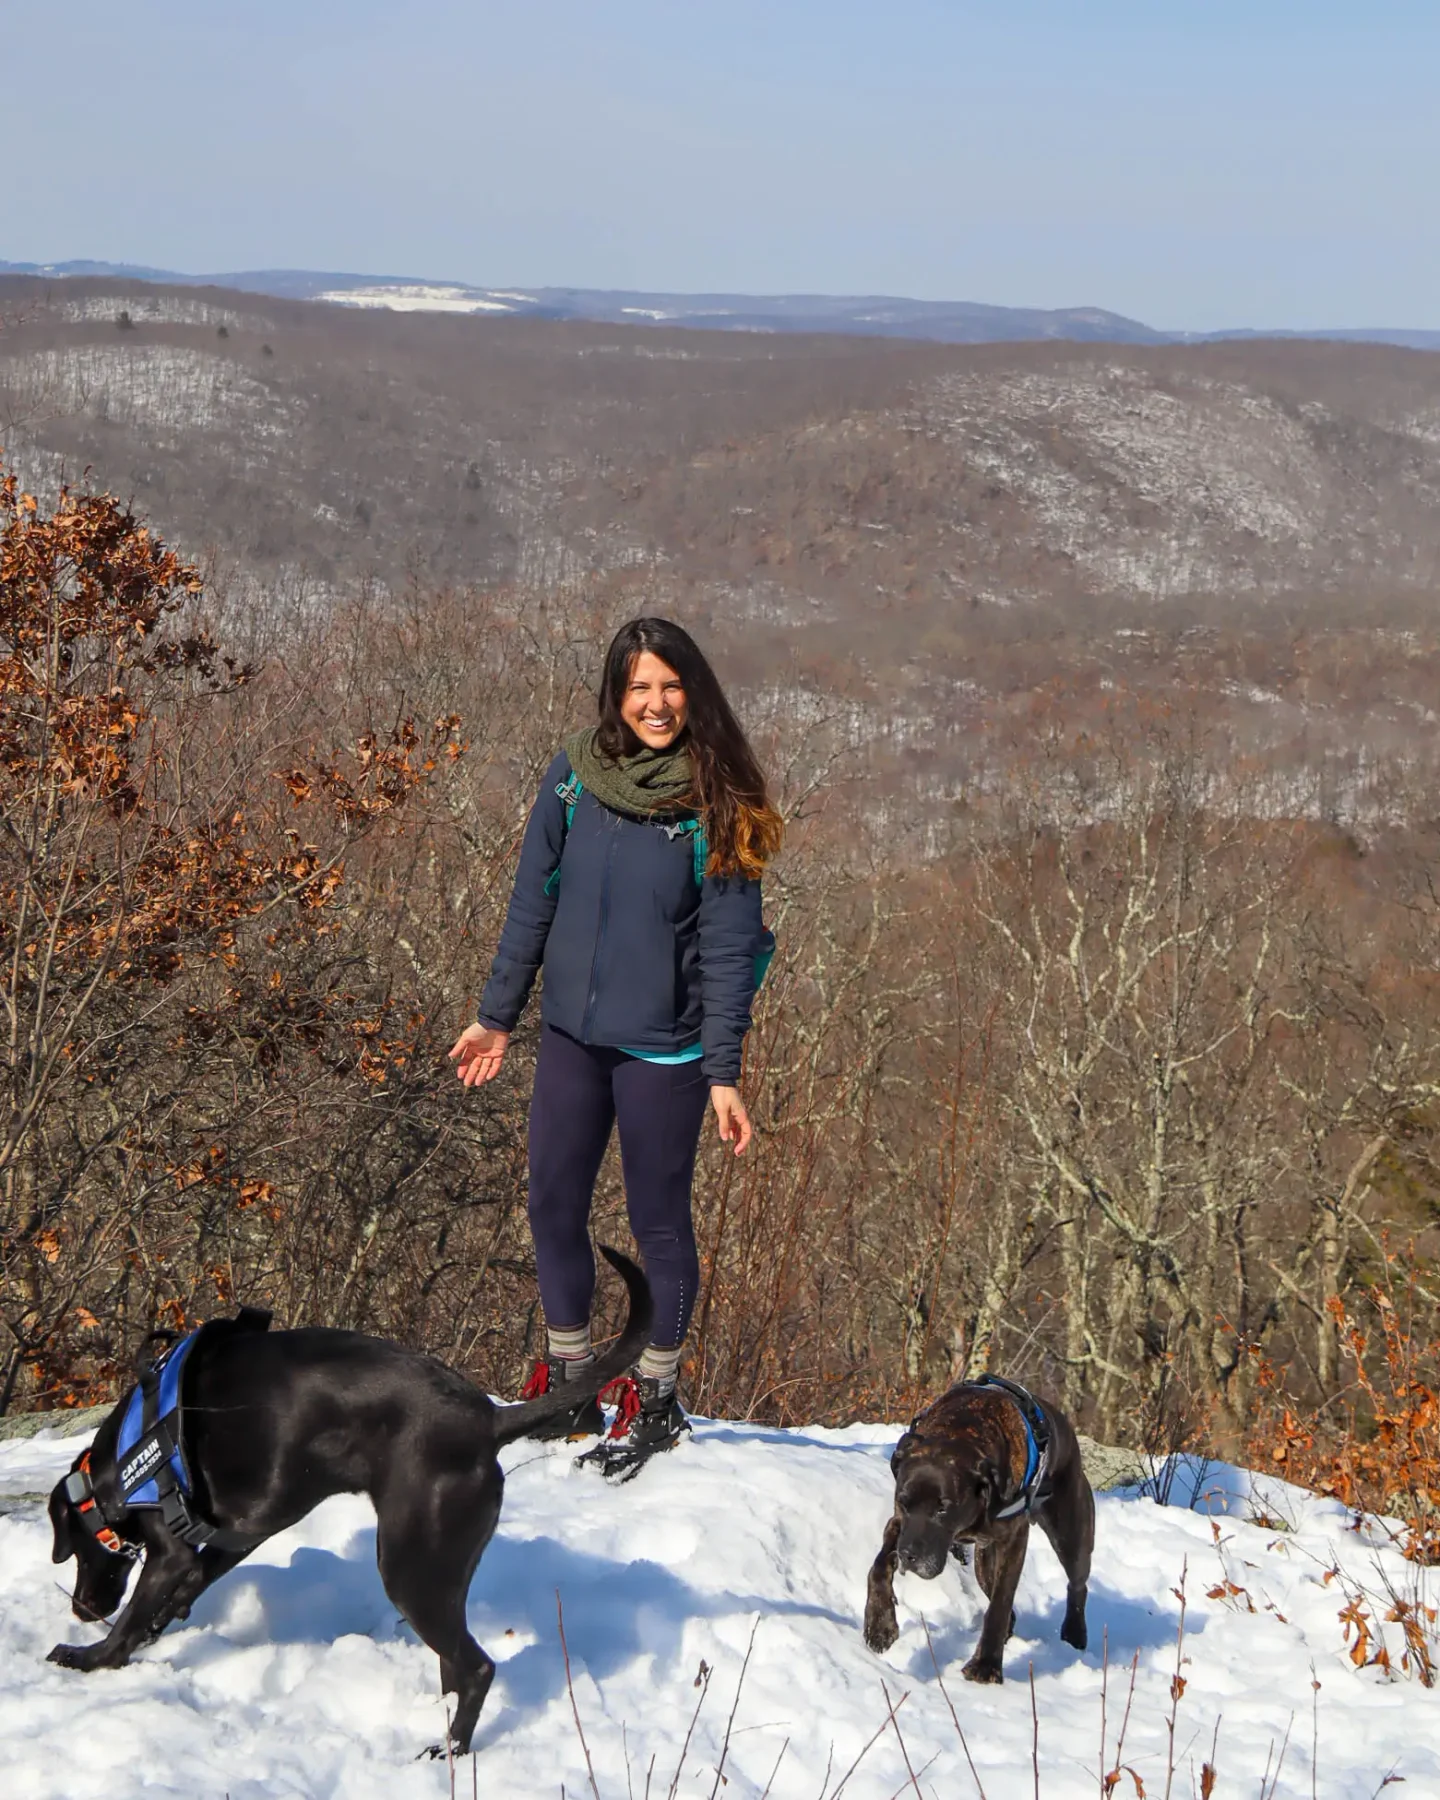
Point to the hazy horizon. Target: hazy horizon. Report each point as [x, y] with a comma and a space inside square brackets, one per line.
[1219, 167]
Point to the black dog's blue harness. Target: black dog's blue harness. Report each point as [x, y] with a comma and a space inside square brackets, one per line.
[149, 1458]
[1033, 1489]
[149, 1454]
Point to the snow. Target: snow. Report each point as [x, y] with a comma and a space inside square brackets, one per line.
[157, 388]
[157, 308]
[293, 1676]
[1219, 465]
[420, 297]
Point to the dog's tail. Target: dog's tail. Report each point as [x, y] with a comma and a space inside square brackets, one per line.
[518, 1421]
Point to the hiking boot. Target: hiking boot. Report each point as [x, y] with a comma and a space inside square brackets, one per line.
[585, 1418]
[646, 1422]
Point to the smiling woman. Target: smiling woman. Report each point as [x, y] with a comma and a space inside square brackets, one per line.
[649, 946]
[654, 706]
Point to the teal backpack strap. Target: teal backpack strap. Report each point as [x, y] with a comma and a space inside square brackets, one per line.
[700, 854]
[699, 845]
[570, 792]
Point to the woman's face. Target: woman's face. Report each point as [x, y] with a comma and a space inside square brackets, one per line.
[654, 705]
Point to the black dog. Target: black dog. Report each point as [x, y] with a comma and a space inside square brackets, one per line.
[975, 1468]
[274, 1423]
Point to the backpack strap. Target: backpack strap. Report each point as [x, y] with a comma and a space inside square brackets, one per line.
[699, 845]
[569, 791]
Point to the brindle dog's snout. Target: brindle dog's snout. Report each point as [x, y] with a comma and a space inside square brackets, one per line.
[921, 1554]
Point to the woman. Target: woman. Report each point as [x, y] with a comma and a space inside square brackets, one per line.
[649, 941]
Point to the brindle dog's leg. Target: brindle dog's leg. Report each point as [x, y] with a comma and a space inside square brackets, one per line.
[998, 1562]
[1068, 1520]
[881, 1626]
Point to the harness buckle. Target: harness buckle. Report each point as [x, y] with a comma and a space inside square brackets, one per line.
[80, 1492]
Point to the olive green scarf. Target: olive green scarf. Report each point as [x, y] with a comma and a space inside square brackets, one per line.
[649, 782]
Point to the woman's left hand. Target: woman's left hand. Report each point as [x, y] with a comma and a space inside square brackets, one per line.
[733, 1119]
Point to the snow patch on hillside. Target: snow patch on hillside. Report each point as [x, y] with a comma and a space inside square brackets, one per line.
[1147, 487]
[153, 387]
[156, 309]
[424, 297]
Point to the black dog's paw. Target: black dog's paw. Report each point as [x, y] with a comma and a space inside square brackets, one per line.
[881, 1630]
[72, 1656]
[976, 1670]
[1073, 1632]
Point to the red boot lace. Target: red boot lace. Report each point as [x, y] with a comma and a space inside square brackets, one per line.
[627, 1404]
[538, 1383]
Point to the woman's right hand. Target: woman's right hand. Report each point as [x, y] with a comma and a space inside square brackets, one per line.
[480, 1050]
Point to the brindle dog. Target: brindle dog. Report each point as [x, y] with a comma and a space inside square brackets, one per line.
[959, 1464]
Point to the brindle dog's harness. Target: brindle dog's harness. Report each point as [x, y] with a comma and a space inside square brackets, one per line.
[1034, 1488]
[149, 1455]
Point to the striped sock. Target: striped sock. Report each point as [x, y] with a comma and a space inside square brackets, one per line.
[570, 1347]
[660, 1366]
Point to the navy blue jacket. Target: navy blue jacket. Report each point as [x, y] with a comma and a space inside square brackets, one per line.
[635, 955]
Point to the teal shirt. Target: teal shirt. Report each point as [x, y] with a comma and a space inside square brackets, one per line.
[691, 1054]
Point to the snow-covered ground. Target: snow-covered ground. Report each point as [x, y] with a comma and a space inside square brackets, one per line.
[426, 297]
[293, 1676]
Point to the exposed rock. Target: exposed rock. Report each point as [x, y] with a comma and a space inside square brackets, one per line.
[62, 1424]
[1109, 1466]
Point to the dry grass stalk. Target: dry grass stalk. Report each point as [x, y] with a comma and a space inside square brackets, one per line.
[900, 1739]
[570, 1689]
[734, 1706]
[954, 1716]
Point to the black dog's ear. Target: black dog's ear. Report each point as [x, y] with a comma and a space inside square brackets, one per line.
[987, 1481]
[63, 1548]
[901, 1450]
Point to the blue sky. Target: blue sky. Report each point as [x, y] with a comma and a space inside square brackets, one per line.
[1193, 165]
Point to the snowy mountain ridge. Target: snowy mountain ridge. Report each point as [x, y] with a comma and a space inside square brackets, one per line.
[864, 315]
[711, 1613]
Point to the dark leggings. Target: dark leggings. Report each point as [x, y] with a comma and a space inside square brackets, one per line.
[581, 1090]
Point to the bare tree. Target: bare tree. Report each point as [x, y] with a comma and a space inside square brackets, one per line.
[1159, 945]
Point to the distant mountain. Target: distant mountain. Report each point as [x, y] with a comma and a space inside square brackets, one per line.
[1401, 340]
[870, 315]
[129, 271]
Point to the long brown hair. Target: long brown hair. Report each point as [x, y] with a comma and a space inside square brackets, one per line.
[742, 827]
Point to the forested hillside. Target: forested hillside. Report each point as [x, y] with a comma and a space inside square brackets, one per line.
[1104, 1039]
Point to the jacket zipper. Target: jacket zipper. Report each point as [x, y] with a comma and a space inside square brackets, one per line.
[588, 1019]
